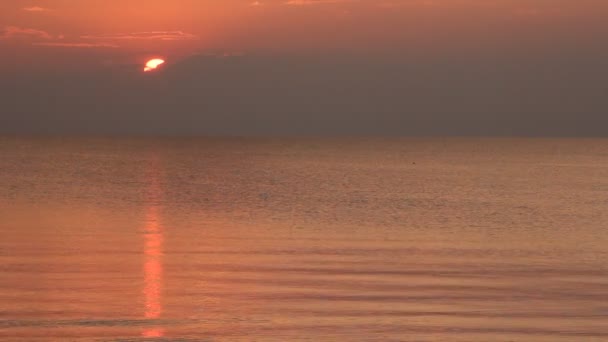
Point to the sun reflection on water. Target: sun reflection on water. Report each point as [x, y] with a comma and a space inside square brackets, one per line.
[153, 252]
[153, 267]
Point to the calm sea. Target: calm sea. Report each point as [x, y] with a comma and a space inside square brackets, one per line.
[303, 239]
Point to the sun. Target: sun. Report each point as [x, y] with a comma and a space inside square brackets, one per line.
[153, 64]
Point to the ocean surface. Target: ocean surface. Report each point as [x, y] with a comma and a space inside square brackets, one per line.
[234, 239]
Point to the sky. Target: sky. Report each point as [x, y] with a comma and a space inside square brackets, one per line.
[305, 67]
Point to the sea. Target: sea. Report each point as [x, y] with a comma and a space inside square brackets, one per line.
[303, 239]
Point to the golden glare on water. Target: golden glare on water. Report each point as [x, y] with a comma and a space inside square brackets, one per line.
[153, 64]
[153, 251]
[153, 266]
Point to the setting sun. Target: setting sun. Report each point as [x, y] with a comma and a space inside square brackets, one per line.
[153, 64]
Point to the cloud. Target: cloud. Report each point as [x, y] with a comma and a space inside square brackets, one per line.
[152, 35]
[414, 3]
[14, 32]
[35, 36]
[78, 45]
[313, 2]
[91, 41]
[35, 9]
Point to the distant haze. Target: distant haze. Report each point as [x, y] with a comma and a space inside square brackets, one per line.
[462, 67]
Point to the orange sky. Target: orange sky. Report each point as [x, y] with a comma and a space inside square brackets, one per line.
[53, 31]
[305, 66]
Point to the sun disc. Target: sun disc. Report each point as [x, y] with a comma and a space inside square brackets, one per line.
[153, 64]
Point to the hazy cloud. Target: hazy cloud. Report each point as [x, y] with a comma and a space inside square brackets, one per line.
[14, 31]
[94, 41]
[35, 9]
[79, 45]
[151, 35]
[333, 95]
[314, 2]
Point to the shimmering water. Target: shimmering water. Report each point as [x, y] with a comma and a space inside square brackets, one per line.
[303, 239]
